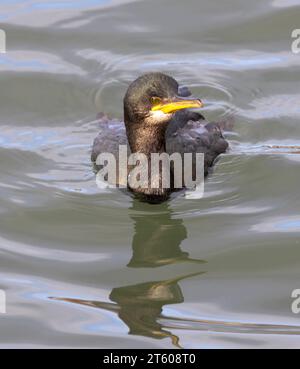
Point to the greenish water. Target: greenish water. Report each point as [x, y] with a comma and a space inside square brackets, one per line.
[88, 268]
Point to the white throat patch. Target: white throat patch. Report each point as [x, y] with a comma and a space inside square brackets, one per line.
[159, 116]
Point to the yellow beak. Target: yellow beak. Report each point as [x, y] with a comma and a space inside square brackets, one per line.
[177, 104]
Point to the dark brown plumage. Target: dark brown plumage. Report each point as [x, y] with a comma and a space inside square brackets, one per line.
[148, 131]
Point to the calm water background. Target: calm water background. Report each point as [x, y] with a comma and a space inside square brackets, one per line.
[85, 268]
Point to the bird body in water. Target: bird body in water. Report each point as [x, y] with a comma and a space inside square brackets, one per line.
[158, 120]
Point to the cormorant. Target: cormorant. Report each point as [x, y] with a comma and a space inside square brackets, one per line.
[157, 120]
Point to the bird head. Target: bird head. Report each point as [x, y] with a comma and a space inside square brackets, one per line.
[153, 99]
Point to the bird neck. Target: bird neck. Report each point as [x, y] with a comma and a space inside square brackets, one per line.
[146, 139]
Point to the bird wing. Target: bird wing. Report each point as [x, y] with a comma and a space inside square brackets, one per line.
[112, 134]
[189, 132]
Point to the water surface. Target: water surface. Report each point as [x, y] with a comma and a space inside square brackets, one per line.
[83, 267]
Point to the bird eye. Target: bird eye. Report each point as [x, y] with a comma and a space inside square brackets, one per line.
[155, 100]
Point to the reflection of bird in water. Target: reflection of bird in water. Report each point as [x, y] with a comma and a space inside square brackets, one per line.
[157, 121]
[140, 306]
[157, 237]
[156, 242]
